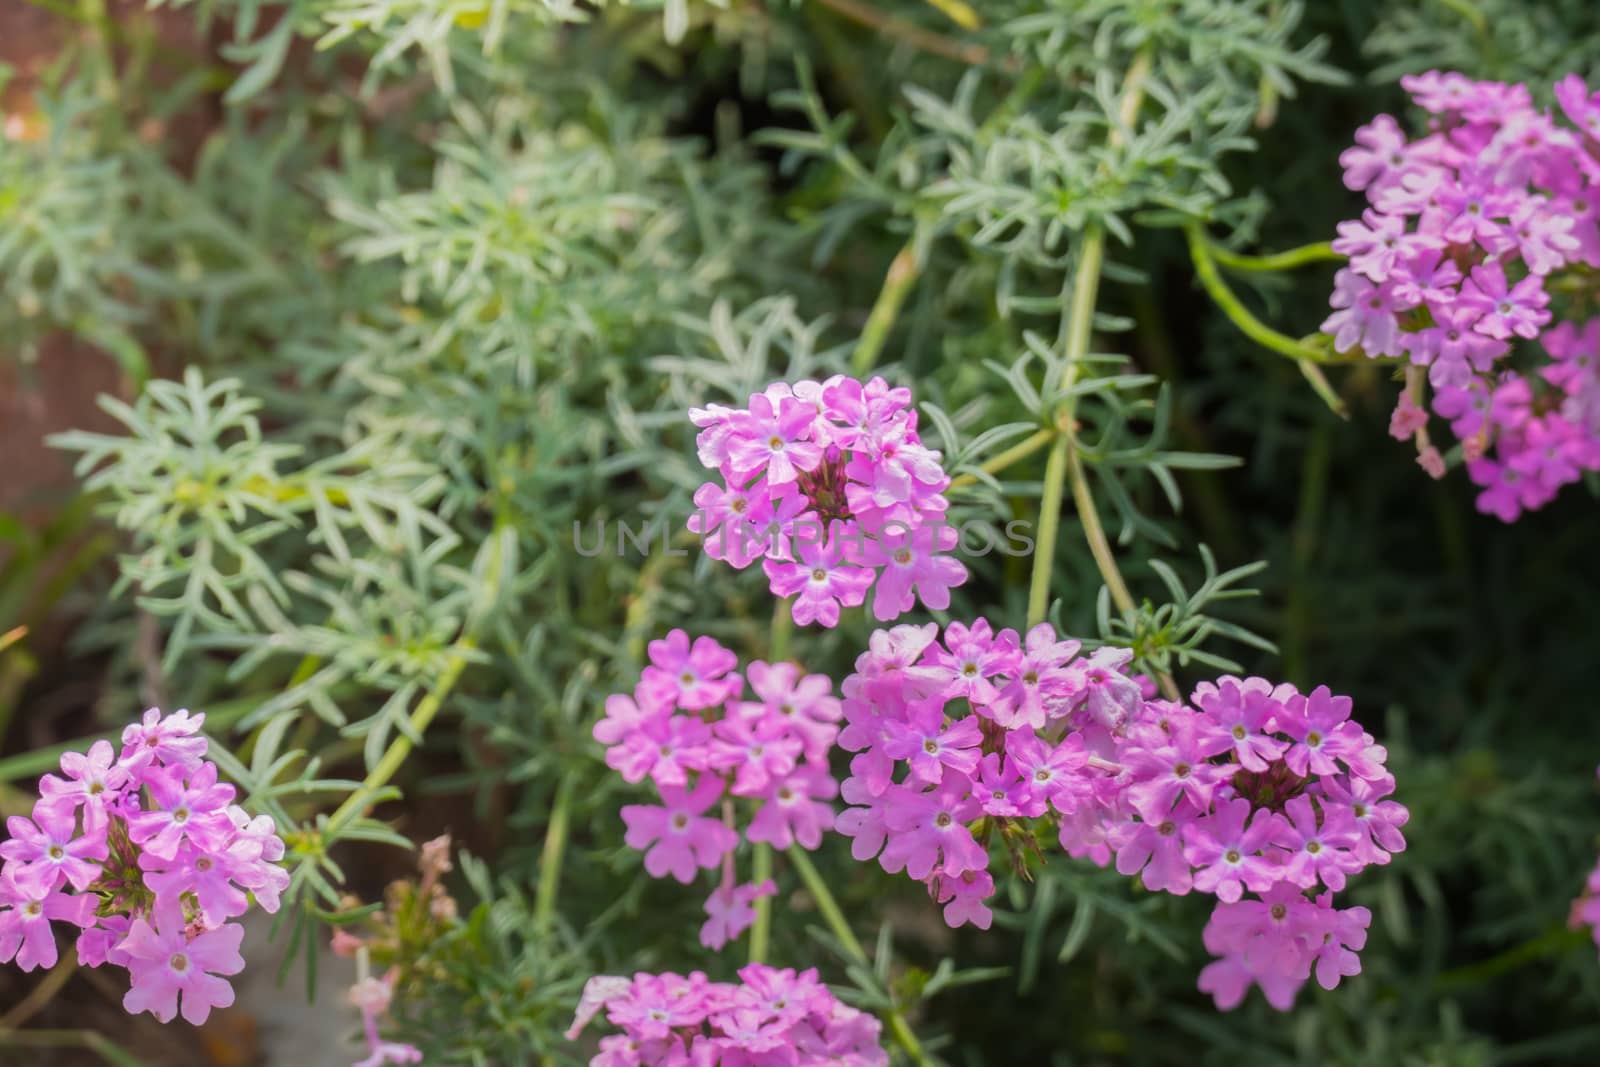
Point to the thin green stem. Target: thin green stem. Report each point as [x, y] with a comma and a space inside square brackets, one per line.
[400, 748]
[1205, 268]
[761, 929]
[897, 283]
[550, 858]
[1077, 328]
[1106, 562]
[1321, 252]
[1055, 469]
[782, 628]
[1001, 460]
[833, 915]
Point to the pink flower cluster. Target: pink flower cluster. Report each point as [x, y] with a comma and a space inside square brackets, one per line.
[771, 1018]
[147, 855]
[688, 729]
[1586, 909]
[1480, 235]
[985, 736]
[830, 486]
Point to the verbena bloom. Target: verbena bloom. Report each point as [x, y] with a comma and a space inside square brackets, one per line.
[1470, 262]
[145, 853]
[770, 1016]
[725, 766]
[172, 971]
[730, 911]
[677, 837]
[1251, 791]
[830, 486]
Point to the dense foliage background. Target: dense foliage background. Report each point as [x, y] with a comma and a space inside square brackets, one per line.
[391, 293]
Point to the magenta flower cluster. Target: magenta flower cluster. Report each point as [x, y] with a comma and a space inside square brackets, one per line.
[771, 1018]
[1481, 235]
[688, 728]
[148, 857]
[829, 485]
[990, 737]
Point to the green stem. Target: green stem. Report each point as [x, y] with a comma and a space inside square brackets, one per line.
[782, 628]
[897, 283]
[1076, 330]
[834, 917]
[761, 929]
[1205, 268]
[428, 707]
[1321, 252]
[1001, 460]
[550, 857]
[1055, 469]
[400, 748]
[1104, 560]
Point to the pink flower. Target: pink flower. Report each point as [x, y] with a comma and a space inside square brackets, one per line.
[1237, 718]
[1319, 723]
[174, 740]
[167, 968]
[1376, 244]
[805, 702]
[1319, 848]
[1365, 314]
[693, 677]
[93, 781]
[774, 439]
[756, 748]
[1344, 933]
[1154, 850]
[929, 746]
[664, 748]
[44, 851]
[678, 836]
[795, 810]
[1227, 855]
[914, 568]
[1379, 157]
[1377, 820]
[210, 878]
[1505, 309]
[1163, 772]
[192, 810]
[1109, 694]
[929, 830]
[25, 916]
[1049, 773]
[1041, 684]
[823, 581]
[964, 896]
[729, 912]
